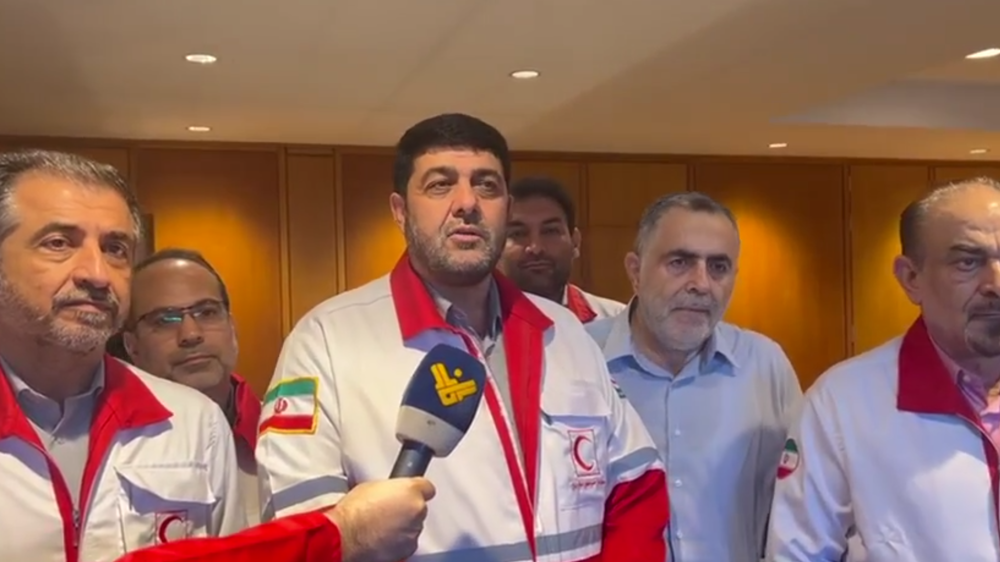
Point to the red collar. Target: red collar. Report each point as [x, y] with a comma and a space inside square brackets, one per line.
[925, 385]
[247, 412]
[577, 303]
[417, 312]
[126, 401]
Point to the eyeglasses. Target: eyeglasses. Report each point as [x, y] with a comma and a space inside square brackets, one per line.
[206, 314]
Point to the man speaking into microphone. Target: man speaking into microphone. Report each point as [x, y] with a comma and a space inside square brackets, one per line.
[555, 465]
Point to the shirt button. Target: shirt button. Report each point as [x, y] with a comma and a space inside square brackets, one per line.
[679, 534]
[678, 483]
[677, 432]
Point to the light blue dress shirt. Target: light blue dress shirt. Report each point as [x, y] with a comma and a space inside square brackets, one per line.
[720, 425]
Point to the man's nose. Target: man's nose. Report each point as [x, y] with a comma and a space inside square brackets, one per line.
[189, 332]
[91, 267]
[465, 198]
[699, 280]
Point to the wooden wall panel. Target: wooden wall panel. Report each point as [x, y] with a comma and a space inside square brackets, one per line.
[952, 173]
[617, 194]
[792, 280]
[311, 185]
[570, 175]
[878, 194]
[225, 204]
[372, 242]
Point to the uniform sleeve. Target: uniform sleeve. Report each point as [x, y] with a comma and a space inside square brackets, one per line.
[298, 450]
[786, 394]
[228, 514]
[636, 511]
[308, 537]
[811, 512]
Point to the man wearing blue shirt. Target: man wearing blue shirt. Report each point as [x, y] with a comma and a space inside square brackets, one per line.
[713, 396]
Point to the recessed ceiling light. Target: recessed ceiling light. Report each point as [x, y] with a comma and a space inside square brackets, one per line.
[984, 54]
[524, 74]
[979, 151]
[778, 145]
[199, 129]
[200, 59]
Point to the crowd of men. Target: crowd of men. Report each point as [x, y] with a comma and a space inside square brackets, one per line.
[646, 431]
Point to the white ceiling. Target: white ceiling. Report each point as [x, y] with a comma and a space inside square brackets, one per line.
[858, 78]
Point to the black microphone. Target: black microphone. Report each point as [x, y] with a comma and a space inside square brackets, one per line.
[438, 407]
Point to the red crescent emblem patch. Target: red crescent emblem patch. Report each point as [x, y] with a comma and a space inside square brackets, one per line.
[171, 526]
[583, 453]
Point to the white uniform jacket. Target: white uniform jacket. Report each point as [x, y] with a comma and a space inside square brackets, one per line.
[162, 467]
[887, 446]
[591, 487]
[587, 307]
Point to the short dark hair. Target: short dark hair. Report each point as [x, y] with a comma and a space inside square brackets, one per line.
[183, 254]
[913, 216]
[15, 165]
[449, 130]
[690, 200]
[546, 188]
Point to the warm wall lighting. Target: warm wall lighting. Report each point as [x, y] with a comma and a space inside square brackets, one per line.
[524, 74]
[778, 145]
[201, 59]
[979, 151]
[984, 54]
[199, 129]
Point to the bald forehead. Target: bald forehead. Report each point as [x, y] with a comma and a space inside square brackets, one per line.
[965, 215]
[173, 282]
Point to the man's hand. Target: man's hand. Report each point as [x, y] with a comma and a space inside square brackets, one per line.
[381, 521]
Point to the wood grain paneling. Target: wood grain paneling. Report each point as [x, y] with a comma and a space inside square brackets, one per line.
[792, 281]
[372, 242]
[952, 173]
[225, 205]
[878, 194]
[570, 175]
[617, 194]
[312, 230]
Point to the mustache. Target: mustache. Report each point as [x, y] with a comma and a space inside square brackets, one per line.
[102, 298]
[708, 304]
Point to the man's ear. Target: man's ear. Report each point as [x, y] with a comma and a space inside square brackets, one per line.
[397, 204]
[632, 263]
[907, 274]
[577, 239]
[128, 340]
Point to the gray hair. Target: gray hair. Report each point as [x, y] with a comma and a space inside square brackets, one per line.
[72, 167]
[690, 200]
[913, 216]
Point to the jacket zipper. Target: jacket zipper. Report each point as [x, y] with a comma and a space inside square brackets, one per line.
[60, 489]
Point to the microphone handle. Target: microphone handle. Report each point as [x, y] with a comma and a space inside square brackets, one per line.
[412, 460]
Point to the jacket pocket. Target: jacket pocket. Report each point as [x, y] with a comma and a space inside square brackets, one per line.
[160, 503]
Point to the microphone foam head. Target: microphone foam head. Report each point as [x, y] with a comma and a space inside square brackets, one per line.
[441, 399]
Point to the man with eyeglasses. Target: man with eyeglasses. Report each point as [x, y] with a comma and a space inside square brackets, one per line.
[179, 328]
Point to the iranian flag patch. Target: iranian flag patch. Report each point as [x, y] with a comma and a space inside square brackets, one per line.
[789, 459]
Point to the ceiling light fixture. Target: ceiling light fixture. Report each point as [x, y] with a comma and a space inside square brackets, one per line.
[778, 145]
[984, 54]
[524, 74]
[199, 129]
[200, 59]
[979, 151]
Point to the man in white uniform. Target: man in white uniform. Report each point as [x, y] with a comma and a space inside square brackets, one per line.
[180, 328]
[555, 467]
[542, 243]
[98, 459]
[714, 396]
[898, 446]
